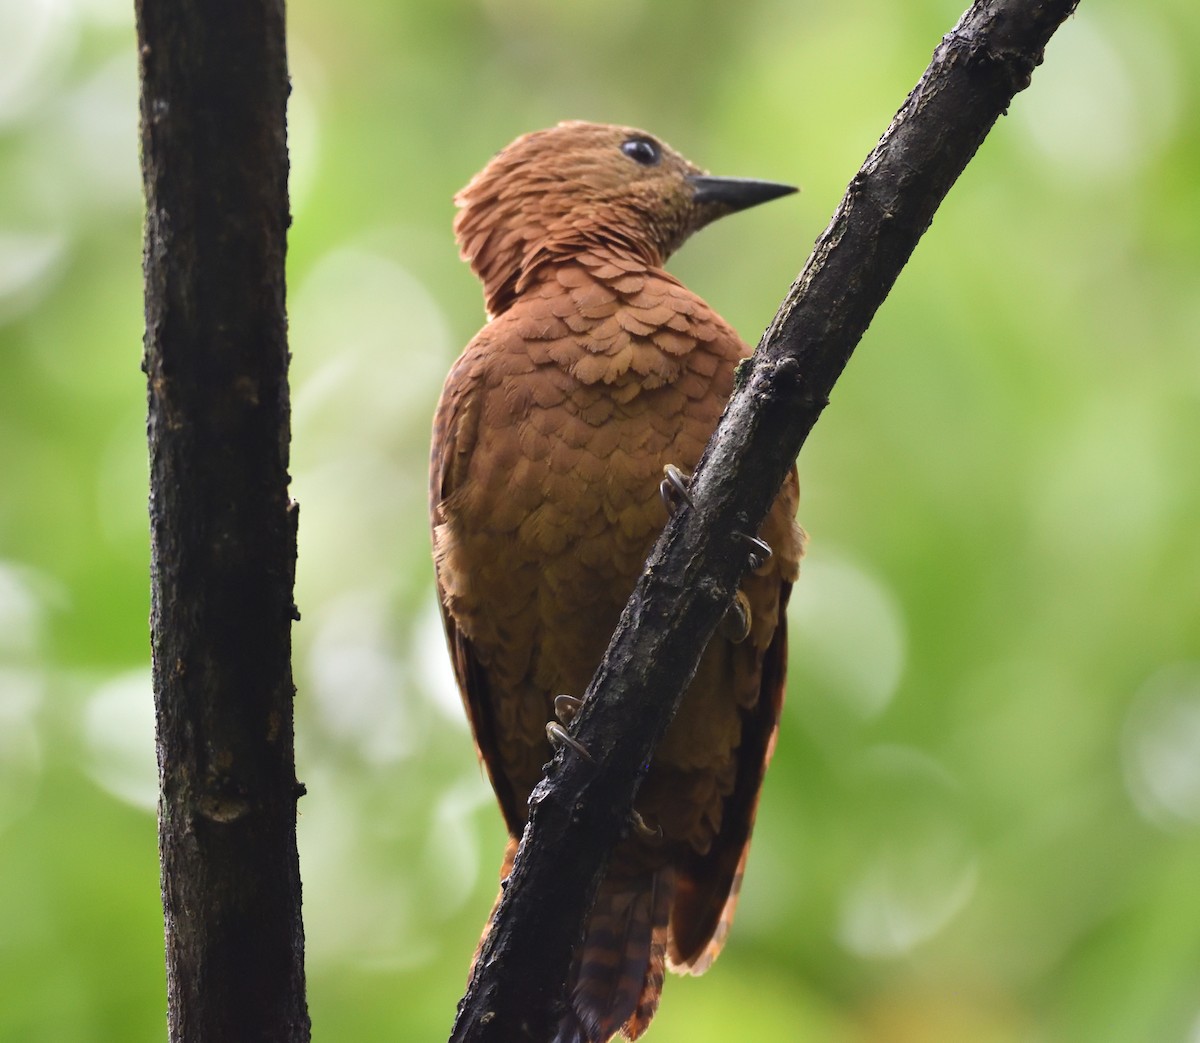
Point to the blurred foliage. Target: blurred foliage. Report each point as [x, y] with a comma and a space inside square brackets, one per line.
[983, 818]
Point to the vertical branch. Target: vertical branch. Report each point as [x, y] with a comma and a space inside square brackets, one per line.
[223, 531]
[581, 808]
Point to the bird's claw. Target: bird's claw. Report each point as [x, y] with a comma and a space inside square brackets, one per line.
[760, 551]
[560, 737]
[641, 829]
[674, 489]
[735, 624]
[565, 709]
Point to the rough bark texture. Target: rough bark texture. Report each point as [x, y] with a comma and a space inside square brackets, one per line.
[580, 809]
[214, 92]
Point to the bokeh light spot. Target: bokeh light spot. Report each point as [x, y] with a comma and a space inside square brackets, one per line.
[21, 609]
[36, 41]
[431, 660]
[1106, 99]
[27, 263]
[920, 867]
[118, 724]
[363, 327]
[1161, 747]
[846, 629]
[358, 681]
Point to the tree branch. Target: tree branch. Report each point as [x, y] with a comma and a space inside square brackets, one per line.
[578, 812]
[213, 100]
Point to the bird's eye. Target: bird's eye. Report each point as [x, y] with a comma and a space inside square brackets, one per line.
[642, 150]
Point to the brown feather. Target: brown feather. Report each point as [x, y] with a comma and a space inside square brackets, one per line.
[597, 369]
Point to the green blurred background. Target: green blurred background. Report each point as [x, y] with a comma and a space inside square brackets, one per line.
[983, 818]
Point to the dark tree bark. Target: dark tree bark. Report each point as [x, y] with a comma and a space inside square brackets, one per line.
[213, 99]
[580, 809]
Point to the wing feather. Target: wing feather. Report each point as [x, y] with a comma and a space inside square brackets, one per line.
[455, 438]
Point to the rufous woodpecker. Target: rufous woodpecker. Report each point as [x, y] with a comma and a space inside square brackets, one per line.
[596, 369]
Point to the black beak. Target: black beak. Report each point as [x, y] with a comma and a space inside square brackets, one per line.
[735, 193]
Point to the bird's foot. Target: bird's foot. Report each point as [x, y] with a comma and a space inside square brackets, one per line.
[735, 624]
[565, 709]
[760, 551]
[674, 489]
[560, 737]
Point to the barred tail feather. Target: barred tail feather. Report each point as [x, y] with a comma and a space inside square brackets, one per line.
[617, 977]
[700, 963]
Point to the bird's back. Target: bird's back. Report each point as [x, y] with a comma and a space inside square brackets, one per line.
[553, 433]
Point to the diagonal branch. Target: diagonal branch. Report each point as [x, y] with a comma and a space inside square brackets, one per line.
[579, 810]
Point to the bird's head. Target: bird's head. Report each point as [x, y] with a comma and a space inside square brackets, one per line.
[581, 186]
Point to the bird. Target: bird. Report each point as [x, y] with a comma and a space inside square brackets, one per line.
[598, 372]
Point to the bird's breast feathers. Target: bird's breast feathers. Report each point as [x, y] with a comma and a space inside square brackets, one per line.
[594, 380]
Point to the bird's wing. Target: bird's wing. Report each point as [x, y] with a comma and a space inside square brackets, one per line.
[707, 884]
[455, 438]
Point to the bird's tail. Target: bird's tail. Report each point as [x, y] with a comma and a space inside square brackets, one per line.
[617, 977]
